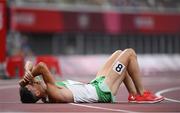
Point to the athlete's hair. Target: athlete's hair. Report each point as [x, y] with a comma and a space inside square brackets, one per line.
[27, 96]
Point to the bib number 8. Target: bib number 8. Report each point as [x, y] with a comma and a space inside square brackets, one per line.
[118, 67]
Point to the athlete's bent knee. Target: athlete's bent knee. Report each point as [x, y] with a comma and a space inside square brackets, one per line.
[130, 52]
[118, 51]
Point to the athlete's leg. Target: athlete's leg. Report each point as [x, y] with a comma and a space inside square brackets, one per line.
[105, 70]
[134, 71]
[129, 60]
[129, 84]
[125, 69]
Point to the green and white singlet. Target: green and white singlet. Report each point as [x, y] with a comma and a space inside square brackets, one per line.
[95, 91]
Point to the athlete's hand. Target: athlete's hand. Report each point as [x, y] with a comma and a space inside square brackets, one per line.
[28, 77]
[28, 66]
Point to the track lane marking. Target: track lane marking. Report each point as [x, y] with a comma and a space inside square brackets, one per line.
[102, 108]
[7, 87]
[159, 93]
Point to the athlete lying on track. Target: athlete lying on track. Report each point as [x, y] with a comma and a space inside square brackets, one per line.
[122, 66]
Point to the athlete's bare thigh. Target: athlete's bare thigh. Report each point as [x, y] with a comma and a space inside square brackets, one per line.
[117, 72]
[106, 67]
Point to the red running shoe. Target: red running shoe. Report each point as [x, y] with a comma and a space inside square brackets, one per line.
[132, 98]
[147, 97]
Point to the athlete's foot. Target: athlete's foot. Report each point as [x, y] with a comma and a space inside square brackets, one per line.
[132, 98]
[147, 97]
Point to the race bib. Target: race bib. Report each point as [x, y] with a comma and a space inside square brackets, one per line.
[118, 67]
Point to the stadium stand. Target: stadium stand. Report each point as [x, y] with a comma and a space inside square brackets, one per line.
[92, 27]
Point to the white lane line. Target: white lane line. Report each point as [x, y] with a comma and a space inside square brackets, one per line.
[85, 112]
[10, 102]
[8, 87]
[58, 112]
[159, 93]
[102, 108]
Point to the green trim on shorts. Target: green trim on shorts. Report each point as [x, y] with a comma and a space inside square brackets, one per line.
[61, 83]
[103, 91]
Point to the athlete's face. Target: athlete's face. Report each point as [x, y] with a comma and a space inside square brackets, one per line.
[37, 88]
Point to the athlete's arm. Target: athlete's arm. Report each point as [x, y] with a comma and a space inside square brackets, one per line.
[39, 69]
[55, 94]
[42, 69]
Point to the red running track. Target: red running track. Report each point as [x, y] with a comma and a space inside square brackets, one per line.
[166, 85]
